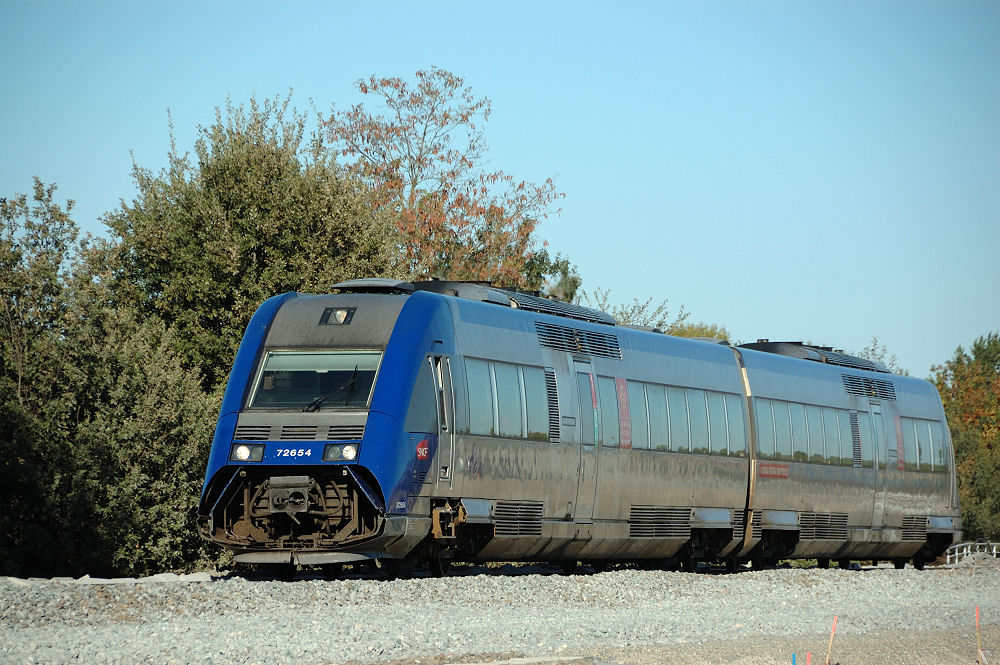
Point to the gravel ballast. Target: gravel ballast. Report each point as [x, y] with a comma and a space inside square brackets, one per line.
[483, 615]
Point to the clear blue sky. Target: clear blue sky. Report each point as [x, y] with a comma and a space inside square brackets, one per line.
[792, 170]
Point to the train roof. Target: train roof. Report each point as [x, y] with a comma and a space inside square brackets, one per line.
[481, 292]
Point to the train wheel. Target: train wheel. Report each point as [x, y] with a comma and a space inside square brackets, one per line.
[568, 567]
[823, 562]
[899, 563]
[599, 566]
[918, 562]
[731, 565]
[689, 565]
[844, 563]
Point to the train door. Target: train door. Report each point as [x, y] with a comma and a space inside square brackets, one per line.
[589, 423]
[884, 457]
[444, 397]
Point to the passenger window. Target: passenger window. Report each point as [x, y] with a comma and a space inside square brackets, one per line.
[737, 430]
[846, 440]
[718, 426]
[638, 416]
[678, 414]
[508, 400]
[800, 433]
[588, 414]
[536, 402]
[940, 453]
[867, 440]
[698, 414]
[782, 431]
[924, 444]
[909, 444]
[422, 414]
[765, 428]
[659, 425]
[831, 431]
[477, 376]
[814, 420]
[608, 399]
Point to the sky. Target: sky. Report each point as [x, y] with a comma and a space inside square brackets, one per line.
[817, 171]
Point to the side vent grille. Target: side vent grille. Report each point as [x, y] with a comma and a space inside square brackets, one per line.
[577, 340]
[866, 387]
[659, 522]
[758, 528]
[518, 518]
[253, 432]
[856, 439]
[914, 528]
[343, 432]
[553, 394]
[823, 526]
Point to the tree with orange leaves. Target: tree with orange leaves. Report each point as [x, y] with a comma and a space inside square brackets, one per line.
[425, 159]
[969, 384]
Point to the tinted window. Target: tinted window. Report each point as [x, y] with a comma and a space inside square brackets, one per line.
[610, 435]
[800, 434]
[718, 437]
[846, 440]
[536, 403]
[422, 414]
[737, 430]
[637, 414]
[677, 405]
[831, 430]
[814, 420]
[940, 453]
[765, 428]
[588, 415]
[698, 415]
[782, 431]
[867, 439]
[909, 444]
[508, 400]
[924, 445]
[659, 426]
[319, 379]
[477, 376]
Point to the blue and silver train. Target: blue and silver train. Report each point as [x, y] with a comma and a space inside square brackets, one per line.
[416, 423]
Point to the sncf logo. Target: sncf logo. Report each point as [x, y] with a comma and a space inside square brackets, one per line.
[423, 449]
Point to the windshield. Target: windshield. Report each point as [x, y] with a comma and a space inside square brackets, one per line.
[311, 380]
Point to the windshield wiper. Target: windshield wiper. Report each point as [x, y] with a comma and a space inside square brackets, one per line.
[315, 404]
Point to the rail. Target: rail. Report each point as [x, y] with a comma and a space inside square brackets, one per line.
[958, 552]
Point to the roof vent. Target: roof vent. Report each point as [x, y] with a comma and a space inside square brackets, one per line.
[822, 354]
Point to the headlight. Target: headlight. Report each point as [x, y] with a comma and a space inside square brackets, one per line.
[242, 452]
[340, 451]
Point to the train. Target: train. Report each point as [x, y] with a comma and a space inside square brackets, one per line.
[402, 424]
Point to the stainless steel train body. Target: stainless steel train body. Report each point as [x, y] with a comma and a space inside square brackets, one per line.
[429, 421]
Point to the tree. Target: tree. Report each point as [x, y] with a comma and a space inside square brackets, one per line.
[877, 352]
[969, 384]
[702, 330]
[102, 430]
[638, 313]
[258, 213]
[425, 159]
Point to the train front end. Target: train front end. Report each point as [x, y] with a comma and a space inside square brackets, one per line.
[306, 462]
